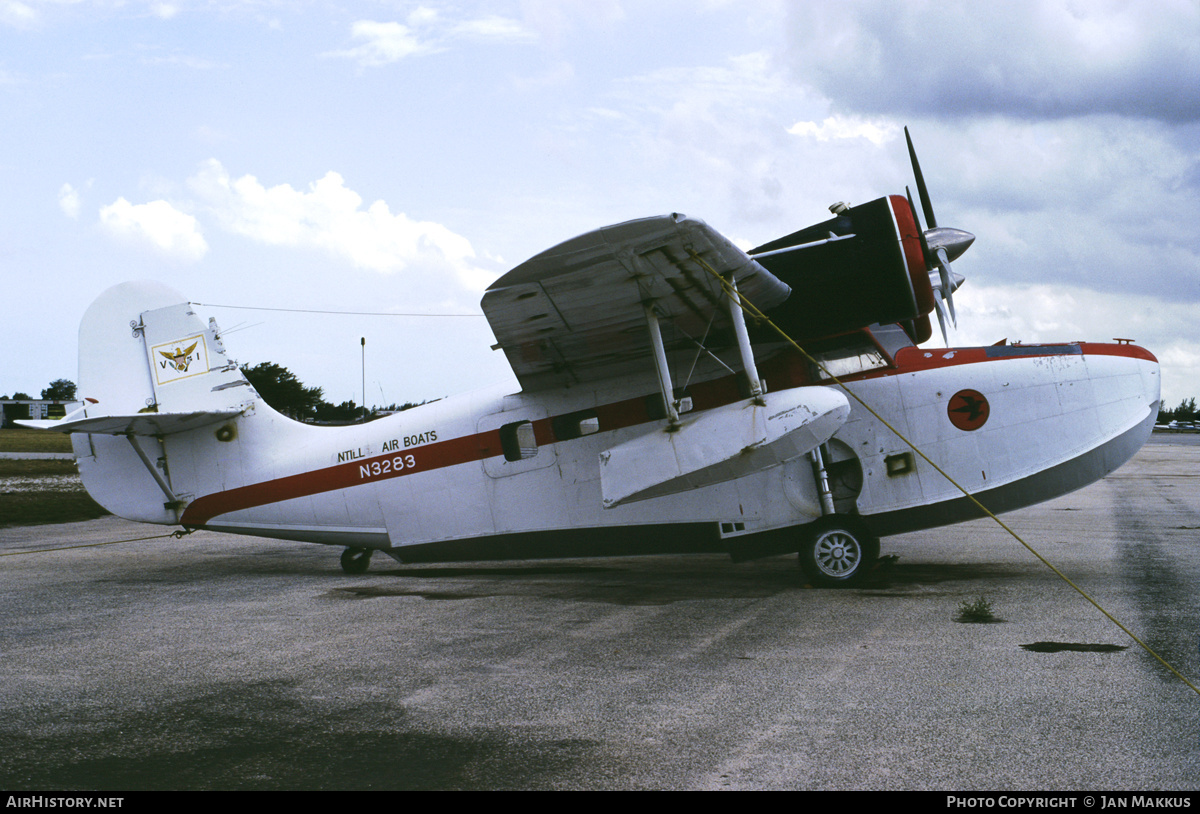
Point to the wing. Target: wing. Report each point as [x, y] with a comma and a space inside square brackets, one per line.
[574, 313]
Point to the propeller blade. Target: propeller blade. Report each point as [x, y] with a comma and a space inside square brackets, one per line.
[921, 188]
[941, 314]
[941, 245]
[947, 281]
[920, 230]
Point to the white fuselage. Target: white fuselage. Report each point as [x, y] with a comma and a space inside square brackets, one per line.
[435, 482]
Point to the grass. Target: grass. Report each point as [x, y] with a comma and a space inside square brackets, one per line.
[977, 612]
[35, 468]
[24, 439]
[53, 502]
[35, 508]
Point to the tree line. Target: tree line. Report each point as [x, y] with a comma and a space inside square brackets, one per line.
[58, 390]
[281, 389]
[277, 385]
[1186, 411]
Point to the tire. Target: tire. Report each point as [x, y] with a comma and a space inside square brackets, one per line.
[356, 560]
[837, 551]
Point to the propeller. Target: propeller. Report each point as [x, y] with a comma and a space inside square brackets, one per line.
[940, 244]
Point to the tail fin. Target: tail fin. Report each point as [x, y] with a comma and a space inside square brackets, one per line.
[148, 368]
[143, 350]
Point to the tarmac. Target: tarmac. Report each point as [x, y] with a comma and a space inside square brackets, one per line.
[222, 662]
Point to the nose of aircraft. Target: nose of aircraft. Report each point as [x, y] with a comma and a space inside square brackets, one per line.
[1126, 383]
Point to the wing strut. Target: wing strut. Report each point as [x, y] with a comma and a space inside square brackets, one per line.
[745, 350]
[660, 364]
[743, 339]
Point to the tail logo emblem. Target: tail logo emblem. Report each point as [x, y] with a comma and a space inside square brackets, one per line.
[179, 359]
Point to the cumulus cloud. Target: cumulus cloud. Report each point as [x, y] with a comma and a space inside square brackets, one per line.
[330, 216]
[724, 123]
[841, 127]
[16, 14]
[1062, 134]
[158, 223]
[382, 43]
[1026, 58]
[425, 31]
[493, 27]
[68, 201]
[1104, 202]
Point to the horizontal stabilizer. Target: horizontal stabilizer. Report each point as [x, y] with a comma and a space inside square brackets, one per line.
[150, 424]
[722, 444]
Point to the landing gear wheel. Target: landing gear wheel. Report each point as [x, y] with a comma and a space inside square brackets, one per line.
[837, 551]
[356, 560]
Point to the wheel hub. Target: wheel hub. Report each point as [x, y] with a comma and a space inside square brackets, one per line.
[837, 554]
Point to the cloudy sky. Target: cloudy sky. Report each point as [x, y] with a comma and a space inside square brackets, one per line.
[395, 157]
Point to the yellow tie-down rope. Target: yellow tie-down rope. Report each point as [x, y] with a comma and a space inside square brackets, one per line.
[178, 534]
[758, 315]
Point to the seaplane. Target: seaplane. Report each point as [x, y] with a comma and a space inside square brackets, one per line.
[677, 394]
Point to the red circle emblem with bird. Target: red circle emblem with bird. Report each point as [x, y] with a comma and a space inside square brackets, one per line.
[968, 410]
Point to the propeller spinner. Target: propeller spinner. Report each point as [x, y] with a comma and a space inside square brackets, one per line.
[941, 245]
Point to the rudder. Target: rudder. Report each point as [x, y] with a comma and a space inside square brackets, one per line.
[148, 368]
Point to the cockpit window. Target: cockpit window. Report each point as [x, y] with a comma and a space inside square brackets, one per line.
[854, 354]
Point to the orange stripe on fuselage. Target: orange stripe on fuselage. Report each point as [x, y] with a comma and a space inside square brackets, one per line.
[614, 416]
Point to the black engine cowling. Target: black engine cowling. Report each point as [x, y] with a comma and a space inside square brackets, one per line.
[864, 266]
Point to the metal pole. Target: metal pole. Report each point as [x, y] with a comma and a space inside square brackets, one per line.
[364, 379]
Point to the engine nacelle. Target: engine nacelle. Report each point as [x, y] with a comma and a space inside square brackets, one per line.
[865, 266]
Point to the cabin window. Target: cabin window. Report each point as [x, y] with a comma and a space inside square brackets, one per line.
[576, 425]
[517, 441]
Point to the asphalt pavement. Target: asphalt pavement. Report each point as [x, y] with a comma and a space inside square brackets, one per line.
[222, 662]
